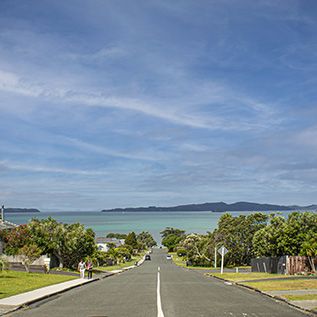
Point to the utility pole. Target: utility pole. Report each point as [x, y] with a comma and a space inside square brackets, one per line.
[215, 260]
[2, 213]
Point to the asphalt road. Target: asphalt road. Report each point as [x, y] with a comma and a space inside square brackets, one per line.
[139, 292]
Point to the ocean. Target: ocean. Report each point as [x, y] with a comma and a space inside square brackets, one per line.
[124, 222]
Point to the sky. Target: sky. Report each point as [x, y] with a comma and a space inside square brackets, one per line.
[116, 103]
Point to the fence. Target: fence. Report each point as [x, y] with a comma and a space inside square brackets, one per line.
[267, 265]
[297, 264]
[281, 265]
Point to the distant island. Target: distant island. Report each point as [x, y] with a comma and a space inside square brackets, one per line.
[9, 210]
[216, 207]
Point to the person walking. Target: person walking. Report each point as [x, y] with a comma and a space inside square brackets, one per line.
[81, 268]
[89, 268]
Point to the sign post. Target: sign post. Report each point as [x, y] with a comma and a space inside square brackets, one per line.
[223, 251]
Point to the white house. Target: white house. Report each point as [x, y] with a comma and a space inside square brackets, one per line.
[104, 243]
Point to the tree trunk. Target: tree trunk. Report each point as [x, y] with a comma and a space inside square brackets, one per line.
[27, 267]
[311, 262]
[60, 259]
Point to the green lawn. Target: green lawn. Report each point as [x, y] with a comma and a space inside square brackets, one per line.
[13, 283]
[238, 277]
[282, 285]
[301, 297]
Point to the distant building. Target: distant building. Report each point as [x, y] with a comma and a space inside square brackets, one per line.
[104, 244]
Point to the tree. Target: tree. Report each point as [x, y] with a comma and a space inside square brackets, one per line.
[50, 236]
[132, 240]
[16, 238]
[79, 243]
[309, 248]
[29, 253]
[196, 249]
[68, 242]
[116, 235]
[123, 254]
[286, 236]
[171, 237]
[171, 241]
[236, 234]
[169, 230]
[268, 240]
[4, 264]
[145, 240]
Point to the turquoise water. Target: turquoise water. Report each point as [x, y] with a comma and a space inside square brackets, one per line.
[154, 222]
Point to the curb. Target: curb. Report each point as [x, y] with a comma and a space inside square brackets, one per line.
[311, 312]
[45, 296]
[50, 295]
[109, 273]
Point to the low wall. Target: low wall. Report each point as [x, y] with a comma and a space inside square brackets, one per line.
[18, 259]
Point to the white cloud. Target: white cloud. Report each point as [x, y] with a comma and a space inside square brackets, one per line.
[5, 165]
[175, 111]
[85, 146]
[103, 54]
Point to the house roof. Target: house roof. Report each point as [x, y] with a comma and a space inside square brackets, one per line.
[115, 241]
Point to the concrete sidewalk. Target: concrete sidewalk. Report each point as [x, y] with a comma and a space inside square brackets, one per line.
[14, 302]
[310, 304]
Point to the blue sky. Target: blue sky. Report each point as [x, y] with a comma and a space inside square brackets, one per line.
[133, 103]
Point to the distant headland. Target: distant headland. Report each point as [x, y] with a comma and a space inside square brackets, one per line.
[22, 210]
[217, 207]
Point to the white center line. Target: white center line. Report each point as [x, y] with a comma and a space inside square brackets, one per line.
[159, 303]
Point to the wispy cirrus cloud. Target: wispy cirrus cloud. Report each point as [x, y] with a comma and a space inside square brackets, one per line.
[172, 111]
[6, 165]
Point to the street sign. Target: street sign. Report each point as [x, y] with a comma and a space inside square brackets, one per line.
[222, 250]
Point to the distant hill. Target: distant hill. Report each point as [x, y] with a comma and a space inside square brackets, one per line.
[21, 210]
[216, 207]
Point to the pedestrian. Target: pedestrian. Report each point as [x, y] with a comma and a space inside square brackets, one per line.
[81, 268]
[89, 268]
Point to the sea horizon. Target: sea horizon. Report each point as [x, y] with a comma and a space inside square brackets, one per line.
[124, 222]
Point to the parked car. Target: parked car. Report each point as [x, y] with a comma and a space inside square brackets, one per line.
[168, 257]
[147, 257]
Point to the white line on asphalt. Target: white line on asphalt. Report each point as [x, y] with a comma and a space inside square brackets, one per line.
[159, 303]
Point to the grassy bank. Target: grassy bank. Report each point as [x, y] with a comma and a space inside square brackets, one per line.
[13, 283]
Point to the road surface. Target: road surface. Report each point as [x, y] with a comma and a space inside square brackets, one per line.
[160, 289]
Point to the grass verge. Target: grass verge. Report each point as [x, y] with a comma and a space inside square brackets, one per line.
[239, 277]
[13, 283]
[301, 297]
[284, 285]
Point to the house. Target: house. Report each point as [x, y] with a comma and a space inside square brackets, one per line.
[104, 244]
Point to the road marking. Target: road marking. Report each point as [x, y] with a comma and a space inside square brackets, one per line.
[159, 303]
